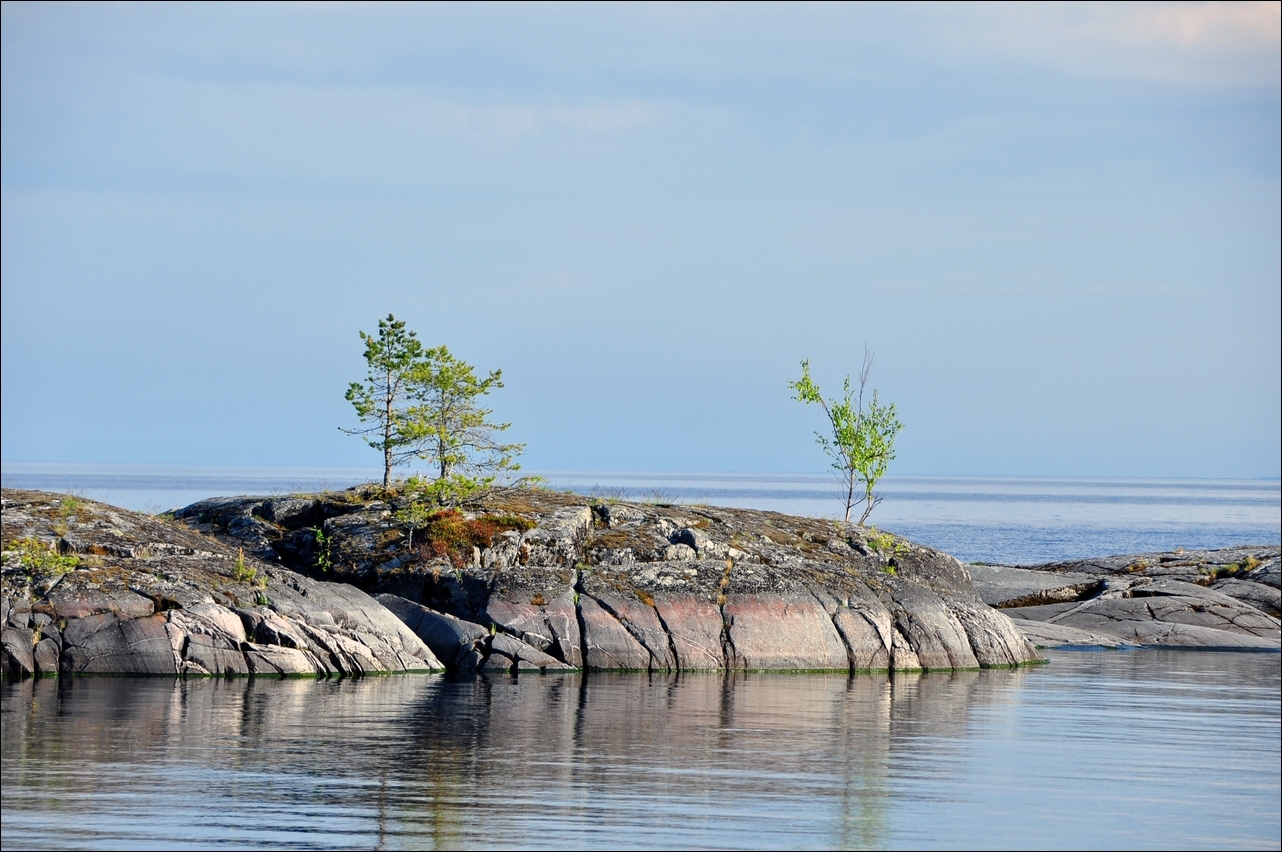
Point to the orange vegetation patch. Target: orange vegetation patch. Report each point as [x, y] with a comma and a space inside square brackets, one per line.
[450, 534]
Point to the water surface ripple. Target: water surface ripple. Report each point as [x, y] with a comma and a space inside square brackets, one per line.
[1143, 749]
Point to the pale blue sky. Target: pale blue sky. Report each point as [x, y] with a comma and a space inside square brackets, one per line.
[1056, 226]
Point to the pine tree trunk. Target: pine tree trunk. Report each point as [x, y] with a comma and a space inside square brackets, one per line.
[387, 434]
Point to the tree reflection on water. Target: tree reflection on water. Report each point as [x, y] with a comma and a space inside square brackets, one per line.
[740, 760]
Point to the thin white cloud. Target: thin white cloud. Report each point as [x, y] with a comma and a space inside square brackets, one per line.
[1221, 25]
[345, 132]
[1201, 43]
[513, 122]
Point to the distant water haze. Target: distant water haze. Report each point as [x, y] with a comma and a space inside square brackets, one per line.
[999, 519]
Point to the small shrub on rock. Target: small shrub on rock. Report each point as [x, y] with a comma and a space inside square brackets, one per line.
[243, 573]
[448, 533]
[40, 558]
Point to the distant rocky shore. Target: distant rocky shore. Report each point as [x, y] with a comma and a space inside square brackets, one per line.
[1226, 599]
[352, 582]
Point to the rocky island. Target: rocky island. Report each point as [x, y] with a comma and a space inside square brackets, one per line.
[356, 582]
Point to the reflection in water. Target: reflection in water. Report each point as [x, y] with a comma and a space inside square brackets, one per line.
[1001, 758]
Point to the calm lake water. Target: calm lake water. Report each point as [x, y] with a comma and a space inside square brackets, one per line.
[1141, 749]
[1018, 520]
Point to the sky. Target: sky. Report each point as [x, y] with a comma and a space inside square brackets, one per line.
[1055, 226]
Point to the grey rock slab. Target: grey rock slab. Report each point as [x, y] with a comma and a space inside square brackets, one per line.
[1166, 587]
[448, 637]
[608, 644]
[215, 654]
[778, 632]
[994, 638]
[354, 535]
[1045, 635]
[936, 635]
[532, 658]
[211, 619]
[1269, 574]
[342, 611]
[18, 648]
[525, 620]
[561, 615]
[695, 626]
[640, 620]
[673, 576]
[1043, 612]
[1169, 635]
[504, 551]
[275, 660]
[496, 662]
[331, 653]
[293, 511]
[15, 617]
[1004, 586]
[536, 603]
[471, 661]
[46, 655]
[1175, 621]
[700, 542]
[932, 568]
[902, 656]
[617, 515]
[106, 643]
[864, 625]
[275, 629]
[559, 539]
[1188, 565]
[350, 608]
[350, 655]
[865, 638]
[383, 656]
[679, 552]
[1267, 599]
[68, 603]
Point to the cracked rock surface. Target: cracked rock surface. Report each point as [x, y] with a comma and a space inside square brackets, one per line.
[651, 587]
[1226, 598]
[90, 588]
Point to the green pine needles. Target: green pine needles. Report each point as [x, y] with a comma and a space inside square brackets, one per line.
[420, 403]
[862, 439]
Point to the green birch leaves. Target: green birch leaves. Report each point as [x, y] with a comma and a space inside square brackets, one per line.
[860, 438]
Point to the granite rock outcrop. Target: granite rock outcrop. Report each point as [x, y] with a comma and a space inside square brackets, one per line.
[551, 581]
[88, 588]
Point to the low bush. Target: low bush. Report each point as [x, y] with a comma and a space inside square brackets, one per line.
[448, 533]
[40, 558]
[883, 542]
